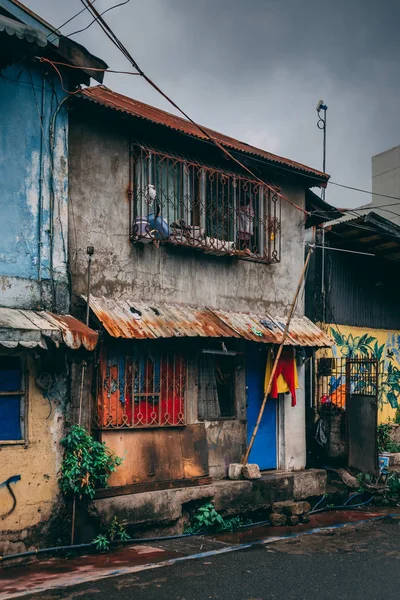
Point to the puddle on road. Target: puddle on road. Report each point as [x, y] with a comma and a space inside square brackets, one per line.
[324, 519]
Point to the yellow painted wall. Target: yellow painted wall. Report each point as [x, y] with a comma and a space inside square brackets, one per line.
[38, 465]
[356, 342]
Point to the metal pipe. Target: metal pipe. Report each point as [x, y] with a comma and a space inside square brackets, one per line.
[51, 207]
[323, 276]
[341, 250]
[40, 199]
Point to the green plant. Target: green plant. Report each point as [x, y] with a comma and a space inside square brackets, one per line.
[205, 519]
[117, 531]
[87, 464]
[384, 439]
[397, 416]
[102, 543]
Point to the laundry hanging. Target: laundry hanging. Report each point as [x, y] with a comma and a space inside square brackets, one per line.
[286, 377]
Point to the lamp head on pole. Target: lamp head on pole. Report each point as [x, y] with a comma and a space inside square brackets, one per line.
[321, 106]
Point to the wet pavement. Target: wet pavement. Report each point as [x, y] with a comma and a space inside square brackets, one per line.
[56, 573]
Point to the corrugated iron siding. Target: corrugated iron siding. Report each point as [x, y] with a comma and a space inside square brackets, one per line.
[364, 292]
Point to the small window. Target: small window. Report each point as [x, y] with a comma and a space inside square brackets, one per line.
[11, 399]
[216, 387]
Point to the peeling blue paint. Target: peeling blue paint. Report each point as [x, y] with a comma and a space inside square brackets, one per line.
[28, 100]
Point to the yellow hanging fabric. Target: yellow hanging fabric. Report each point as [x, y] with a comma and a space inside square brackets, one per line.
[283, 387]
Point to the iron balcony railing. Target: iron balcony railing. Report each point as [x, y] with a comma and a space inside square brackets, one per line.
[183, 203]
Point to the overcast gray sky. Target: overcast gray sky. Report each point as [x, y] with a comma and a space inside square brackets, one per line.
[255, 69]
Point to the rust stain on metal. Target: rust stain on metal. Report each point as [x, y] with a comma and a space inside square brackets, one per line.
[75, 333]
[29, 329]
[106, 97]
[139, 320]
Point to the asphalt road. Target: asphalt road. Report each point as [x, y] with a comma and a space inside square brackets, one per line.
[352, 563]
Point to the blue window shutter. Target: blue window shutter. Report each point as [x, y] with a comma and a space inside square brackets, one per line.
[10, 422]
[10, 406]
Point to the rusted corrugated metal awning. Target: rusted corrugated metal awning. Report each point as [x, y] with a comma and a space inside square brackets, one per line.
[140, 320]
[29, 329]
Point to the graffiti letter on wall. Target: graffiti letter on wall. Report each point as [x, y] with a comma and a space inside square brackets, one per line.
[7, 484]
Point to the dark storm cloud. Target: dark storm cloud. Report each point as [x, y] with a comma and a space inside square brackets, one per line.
[255, 69]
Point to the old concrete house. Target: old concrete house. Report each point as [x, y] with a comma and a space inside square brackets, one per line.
[194, 269]
[39, 342]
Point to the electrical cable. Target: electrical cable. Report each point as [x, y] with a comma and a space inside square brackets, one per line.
[95, 20]
[115, 40]
[68, 21]
[62, 64]
[349, 187]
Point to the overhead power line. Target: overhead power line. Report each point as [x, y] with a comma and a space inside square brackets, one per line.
[95, 20]
[349, 187]
[117, 42]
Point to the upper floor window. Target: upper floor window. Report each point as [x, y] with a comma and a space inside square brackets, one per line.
[188, 204]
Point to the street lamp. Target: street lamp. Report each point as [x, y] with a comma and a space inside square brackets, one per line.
[321, 124]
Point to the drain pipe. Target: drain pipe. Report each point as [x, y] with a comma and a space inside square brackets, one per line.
[90, 252]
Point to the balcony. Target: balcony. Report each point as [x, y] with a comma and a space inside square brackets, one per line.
[183, 203]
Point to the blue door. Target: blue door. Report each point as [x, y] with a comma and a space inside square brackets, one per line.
[264, 448]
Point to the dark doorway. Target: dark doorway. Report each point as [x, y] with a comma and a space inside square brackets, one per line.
[362, 414]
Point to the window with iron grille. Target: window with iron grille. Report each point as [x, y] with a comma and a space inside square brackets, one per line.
[12, 399]
[216, 399]
[183, 203]
[141, 389]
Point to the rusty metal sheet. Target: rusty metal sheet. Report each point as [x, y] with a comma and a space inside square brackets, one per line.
[269, 330]
[29, 329]
[304, 332]
[106, 97]
[74, 333]
[140, 320]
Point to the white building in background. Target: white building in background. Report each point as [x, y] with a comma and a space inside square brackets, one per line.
[386, 181]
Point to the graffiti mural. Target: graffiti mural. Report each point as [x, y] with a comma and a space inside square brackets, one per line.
[353, 342]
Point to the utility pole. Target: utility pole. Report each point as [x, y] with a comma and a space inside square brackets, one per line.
[321, 124]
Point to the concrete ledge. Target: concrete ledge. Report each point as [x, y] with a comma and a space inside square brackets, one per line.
[167, 507]
[394, 459]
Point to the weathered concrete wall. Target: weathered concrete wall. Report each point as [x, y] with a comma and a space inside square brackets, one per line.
[292, 451]
[167, 507]
[99, 217]
[226, 445]
[33, 189]
[99, 176]
[37, 493]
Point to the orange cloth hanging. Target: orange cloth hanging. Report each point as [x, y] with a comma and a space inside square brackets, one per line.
[285, 378]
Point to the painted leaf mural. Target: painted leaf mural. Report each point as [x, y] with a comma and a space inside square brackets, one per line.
[382, 345]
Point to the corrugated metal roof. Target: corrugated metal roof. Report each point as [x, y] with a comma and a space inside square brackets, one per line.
[22, 31]
[106, 97]
[140, 320]
[29, 329]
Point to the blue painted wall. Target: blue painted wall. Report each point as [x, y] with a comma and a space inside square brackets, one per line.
[28, 100]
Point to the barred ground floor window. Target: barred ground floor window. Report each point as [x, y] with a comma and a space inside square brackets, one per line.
[141, 388]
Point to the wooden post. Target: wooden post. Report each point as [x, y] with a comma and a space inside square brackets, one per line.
[278, 354]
